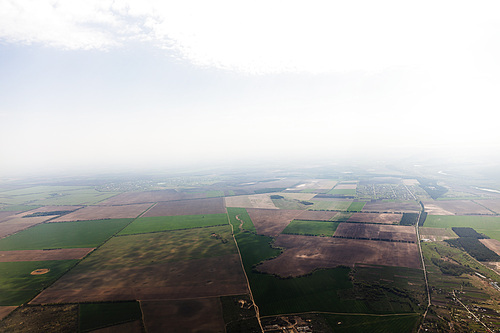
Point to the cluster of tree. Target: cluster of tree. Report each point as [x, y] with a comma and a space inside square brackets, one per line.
[307, 203]
[475, 248]
[55, 212]
[421, 220]
[409, 219]
[432, 188]
[450, 268]
[276, 196]
[468, 232]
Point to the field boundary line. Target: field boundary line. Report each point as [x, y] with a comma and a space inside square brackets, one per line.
[425, 273]
[346, 314]
[257, 314]
[147, 210]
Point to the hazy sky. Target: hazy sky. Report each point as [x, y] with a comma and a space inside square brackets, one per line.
[130, 83]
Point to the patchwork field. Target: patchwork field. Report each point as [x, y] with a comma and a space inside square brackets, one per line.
[392, 206]
[375, 218]
[436, 234]
[271, 222]
[18, 222]
[304, 254]
[63, 235]
[43, 255]
[165, 223]
[455, 207]
[376, 232]
[188, 207]
[251, 201]
[194, 315]
[104, 212]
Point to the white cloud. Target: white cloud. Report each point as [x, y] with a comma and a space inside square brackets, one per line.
[266, 36]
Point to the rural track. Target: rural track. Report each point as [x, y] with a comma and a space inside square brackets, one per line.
[425, 273]
[257, 314]
[472, 314]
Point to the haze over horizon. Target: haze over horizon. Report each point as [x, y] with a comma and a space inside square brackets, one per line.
[128, 84]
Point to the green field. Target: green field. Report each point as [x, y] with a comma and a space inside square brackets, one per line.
[18, 286]
[160, 247]
[243, 216]
[63, 235]
[98, 315]
[311, 228]
[349, 192]
[54, 195]
[356, 206]
[164, 223]
[329, 205]
[488, 225]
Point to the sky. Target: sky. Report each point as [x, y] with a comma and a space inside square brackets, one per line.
[131, 84]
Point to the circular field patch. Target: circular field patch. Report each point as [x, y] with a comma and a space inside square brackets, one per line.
[40, 271]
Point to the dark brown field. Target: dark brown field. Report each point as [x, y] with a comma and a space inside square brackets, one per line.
[398, 207]
[376, 218]
[194, 315]
[150, 197]
[40, 255]
[188, 207]
[5, 310]
[316, 215]
[104, 212]
[271, 222]
[376, 232]
[51, 318]
[304, 254]
[130, 327]
[206, 277]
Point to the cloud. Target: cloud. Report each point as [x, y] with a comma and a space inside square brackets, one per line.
[265, 36]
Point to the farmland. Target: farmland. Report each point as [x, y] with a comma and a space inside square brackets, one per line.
[334, 253]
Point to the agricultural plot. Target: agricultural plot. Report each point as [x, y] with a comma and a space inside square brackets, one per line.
[179, 264]
[83, 234]
[43, 255]
[18, 222]
[19, 281]
[488, 225]
[271, 222]
[455, 207]
[165, 223]
[194, 315]
[391, 233]
[392, 206]
[54, 195]
[150, 197]
[240, 219]
[314, 186]
[491, 204]
[311, 228]
[329, 204]
[93, 316]
[436, 234]
[304, 254]
[188, 207]
[48, 318]
[251, 201]
[206, 277]
[317, 215]
[356, 206]
[104, 212]
[492, 244]
[5, 310]
[375, 218]
[368, 324]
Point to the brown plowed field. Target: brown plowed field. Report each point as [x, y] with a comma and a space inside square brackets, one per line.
[40, 255]
[316, 215]
[375, 218]
[5, 310]
[188, 207]
[454, 207]
[104, 212]
[493, 204]
[492, 244]
[4, 216]
[381, 206]
[304, 254]
[18, 223]
[271, 222]
[194, 315]
[346, 186]
[150, 197]
[251, 201]
[377, 231]
[53, 209]
[206, 277]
